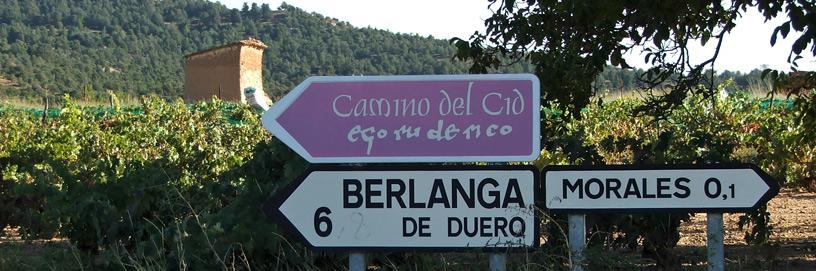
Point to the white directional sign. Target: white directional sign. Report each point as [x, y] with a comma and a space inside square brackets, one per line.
[699, 188]
[411, 208]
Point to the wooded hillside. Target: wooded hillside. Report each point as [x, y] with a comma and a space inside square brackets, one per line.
[136, 47]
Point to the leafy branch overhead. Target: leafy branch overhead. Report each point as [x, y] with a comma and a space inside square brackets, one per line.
[570, 42]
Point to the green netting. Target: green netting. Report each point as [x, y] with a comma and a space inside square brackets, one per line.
[777, 102]
[228, 108]
[101, 111]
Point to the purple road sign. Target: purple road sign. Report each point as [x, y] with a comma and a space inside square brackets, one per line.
[427, 118]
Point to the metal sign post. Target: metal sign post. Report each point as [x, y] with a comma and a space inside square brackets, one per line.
[712, 189]
[357, 261]
[414, 119]
[715, 239]
[498, 262]
[419, 119]
[577, 241]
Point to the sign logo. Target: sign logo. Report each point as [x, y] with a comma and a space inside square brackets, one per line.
[411, 208]
[694, 188]
[425, 118]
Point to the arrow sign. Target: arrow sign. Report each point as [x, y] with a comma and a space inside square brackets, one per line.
[425, 118]
[411, 208]
[697, 188]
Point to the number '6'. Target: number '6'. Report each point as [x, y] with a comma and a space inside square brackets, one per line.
[321, 216]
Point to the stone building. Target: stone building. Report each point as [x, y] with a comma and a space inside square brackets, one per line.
[225, 72]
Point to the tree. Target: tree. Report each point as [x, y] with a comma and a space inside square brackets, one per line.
[255, 12]
[245, 8]
[570, 42]
[266, 12]
[137, 47]
[235, 16]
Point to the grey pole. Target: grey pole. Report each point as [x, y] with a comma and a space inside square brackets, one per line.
[357, 261]
[577, 240]
[498, 262]
[716, 249]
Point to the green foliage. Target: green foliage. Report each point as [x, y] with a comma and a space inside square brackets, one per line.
[136, 47]
[175, 186]
[570, 42]
[132, 48]
[737, 128]
[40, 256]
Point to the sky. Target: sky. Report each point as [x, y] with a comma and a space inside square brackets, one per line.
[747, 47]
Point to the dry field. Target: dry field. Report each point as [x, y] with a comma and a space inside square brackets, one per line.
[793, 216]
[793, 241]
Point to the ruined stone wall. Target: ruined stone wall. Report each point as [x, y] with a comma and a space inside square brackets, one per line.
[251, 69]
[213, 73]
[224, 71]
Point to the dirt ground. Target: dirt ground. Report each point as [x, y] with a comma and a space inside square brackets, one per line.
[793, 240]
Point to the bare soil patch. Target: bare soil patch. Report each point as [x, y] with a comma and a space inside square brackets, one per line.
[793, 239]
[793, 243]
[5, 82]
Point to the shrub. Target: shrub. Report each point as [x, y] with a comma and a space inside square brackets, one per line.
[175, 186]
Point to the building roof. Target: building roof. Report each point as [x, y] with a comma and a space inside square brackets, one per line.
[247, 42]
